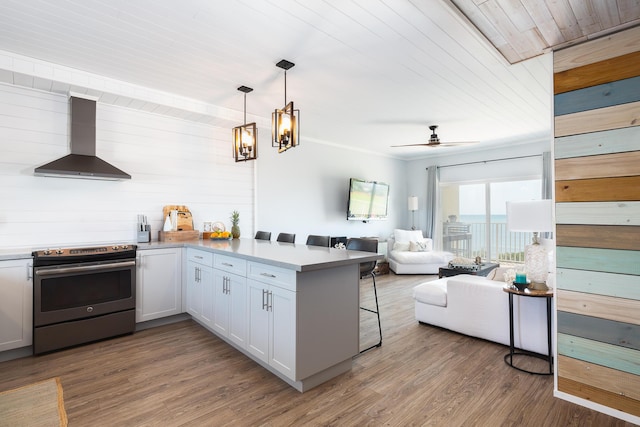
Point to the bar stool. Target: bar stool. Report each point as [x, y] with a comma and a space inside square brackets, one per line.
[316, 240]
[263, 235]
[286, 237]
[366, 269]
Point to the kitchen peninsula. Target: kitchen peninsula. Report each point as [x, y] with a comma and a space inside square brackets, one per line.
[294, 309]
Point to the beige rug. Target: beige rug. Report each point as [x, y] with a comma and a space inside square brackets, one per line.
[35, 405]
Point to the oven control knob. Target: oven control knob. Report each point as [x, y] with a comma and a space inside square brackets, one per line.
[124, 247]
[89, 309]
[115, 248]
[59, 251]
[47, 252]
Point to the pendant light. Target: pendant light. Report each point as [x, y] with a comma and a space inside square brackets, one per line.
[245, 137]
[285, 131]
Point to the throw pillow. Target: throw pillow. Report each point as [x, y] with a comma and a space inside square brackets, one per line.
[419, 246]
[497, 274]
[401, 246]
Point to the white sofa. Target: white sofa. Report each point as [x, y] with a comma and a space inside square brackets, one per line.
[477, 306]
[408, 252]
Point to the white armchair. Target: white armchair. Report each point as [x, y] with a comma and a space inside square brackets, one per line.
[409, 252]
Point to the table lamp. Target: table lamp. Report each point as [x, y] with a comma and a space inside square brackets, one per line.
[532, 216]
[413, 207]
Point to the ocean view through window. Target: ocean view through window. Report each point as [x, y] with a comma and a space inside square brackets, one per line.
[475, 220]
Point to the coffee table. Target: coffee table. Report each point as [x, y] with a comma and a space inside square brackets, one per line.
[484, 270]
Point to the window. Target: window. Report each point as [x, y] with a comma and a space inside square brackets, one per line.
[475, 220]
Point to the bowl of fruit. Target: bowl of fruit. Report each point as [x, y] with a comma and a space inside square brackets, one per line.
[220, 235]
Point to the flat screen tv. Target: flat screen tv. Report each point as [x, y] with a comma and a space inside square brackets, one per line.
[368, 200]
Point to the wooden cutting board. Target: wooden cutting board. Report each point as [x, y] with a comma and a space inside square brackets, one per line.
[185, 220]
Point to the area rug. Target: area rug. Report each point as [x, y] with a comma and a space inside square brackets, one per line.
[38, 404]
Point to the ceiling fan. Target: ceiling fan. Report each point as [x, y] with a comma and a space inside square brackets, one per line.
[434, 141]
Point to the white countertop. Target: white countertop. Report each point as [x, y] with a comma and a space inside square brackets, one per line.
[293, 256]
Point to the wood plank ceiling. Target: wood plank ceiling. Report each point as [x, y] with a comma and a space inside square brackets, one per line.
[378, 71]
[523, 29]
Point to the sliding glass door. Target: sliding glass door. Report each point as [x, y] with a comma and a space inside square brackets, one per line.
[475, 220]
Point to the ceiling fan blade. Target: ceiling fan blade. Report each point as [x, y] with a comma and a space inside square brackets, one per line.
[439, 144]
[459, 143]
[434, 141]
[417, 145]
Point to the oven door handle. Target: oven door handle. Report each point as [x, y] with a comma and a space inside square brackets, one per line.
[52, 271]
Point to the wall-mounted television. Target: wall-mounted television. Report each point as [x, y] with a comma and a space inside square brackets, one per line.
[368, 200]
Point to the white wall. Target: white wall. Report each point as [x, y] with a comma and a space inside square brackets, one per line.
[305, 190]
[175, 161]
[171, 161]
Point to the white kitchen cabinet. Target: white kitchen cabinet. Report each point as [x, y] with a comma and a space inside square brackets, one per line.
[272, 317]
[230, 302]
[16, 304]
[200, 285]
[295, 312]
[158, 283]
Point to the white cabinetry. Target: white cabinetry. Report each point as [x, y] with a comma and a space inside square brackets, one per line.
[299, 319]
[230, 299]
[200, 285]
[272, 317]
[16, 304]
[158, 283]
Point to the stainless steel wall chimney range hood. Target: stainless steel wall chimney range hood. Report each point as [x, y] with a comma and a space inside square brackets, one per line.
[82, 162]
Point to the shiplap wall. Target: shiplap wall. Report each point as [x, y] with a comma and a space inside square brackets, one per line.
[172, 161]
[597, 190]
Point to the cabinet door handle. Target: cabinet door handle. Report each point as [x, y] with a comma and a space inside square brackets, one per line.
[265, 297]
[29, 271]
[268, 275]
[226, 285]
[270, 301]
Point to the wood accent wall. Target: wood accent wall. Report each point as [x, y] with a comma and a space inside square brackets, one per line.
[597, 190]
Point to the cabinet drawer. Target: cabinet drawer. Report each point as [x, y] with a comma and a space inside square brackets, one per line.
[200, 257]
[230, 264]
[272, 275]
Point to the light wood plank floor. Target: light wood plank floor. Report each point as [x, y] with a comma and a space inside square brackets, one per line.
[181, 375]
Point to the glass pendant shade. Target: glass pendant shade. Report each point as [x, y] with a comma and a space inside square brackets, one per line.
[244, 142]
[245, 137]
[284, 128]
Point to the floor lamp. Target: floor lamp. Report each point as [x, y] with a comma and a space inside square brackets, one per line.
[532, 216]
[413, 207]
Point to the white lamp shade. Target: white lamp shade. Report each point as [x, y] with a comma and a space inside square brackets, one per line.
[413, 203]
[531, 215]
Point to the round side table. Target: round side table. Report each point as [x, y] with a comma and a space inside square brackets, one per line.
[508, 358]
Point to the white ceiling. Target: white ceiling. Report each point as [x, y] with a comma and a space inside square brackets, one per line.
[369, 74]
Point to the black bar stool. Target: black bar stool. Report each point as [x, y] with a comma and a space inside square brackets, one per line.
[366, 269]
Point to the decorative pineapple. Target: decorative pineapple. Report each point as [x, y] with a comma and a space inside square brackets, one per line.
[235, 229]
